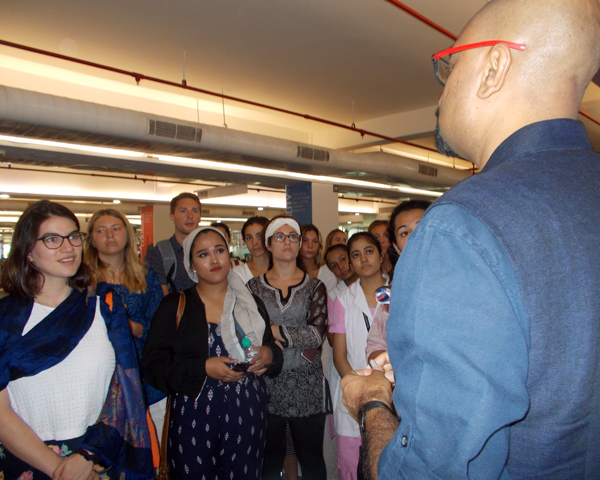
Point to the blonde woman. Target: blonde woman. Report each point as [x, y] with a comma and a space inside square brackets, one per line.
[112, 257]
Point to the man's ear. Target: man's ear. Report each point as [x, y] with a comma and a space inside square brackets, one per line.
[171, 216]
[497, 65]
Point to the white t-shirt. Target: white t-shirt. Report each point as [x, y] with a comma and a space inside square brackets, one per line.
[62, 401]
[327, 277]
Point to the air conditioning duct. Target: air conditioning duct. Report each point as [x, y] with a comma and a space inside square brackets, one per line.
[28, 114]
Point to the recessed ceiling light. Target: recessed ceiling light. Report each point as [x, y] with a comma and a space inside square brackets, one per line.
[261, 208]
[357, 214]
[349, 223]
[4, 195]
[116, 201]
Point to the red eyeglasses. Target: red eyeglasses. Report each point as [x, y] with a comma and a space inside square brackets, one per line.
[442, 65]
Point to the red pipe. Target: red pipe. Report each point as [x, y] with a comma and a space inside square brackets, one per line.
[185, 86]
[422, 18]
[435, 26]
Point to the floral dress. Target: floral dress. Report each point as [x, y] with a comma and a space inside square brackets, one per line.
[222, 433]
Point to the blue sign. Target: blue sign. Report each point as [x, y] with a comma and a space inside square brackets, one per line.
[298, 199]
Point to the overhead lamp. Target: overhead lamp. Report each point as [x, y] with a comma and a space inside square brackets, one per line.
[116, 201]
[357, 214]
[349, 223]
[261, 208]
[4, 195]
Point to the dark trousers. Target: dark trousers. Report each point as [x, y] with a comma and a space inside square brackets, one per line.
[307, 434]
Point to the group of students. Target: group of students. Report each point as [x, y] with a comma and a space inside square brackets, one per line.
[75, 326]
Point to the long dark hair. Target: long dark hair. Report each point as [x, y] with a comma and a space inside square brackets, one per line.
[20, 277]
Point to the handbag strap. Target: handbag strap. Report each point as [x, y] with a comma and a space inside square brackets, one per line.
[163, 466]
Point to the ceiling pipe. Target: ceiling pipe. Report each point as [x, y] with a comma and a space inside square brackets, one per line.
[442, 30]
[140, 76]
[422, 18]
[83, 118]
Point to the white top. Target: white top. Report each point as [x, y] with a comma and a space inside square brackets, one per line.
[327, 277]
[356, 308]
[62, 401]
[243, 272]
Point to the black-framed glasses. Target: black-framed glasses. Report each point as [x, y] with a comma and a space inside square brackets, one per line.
[441, 62]
[280, 237]
[54, 242]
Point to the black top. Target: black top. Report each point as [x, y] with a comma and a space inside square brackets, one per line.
[174, 359]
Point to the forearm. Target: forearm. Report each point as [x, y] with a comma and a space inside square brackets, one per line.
[22, 442]
[137, 330]
[302, 337]
[375, 354]
[340, 355]
[380, 428]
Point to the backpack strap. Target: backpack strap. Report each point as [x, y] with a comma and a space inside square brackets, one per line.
[169, 262]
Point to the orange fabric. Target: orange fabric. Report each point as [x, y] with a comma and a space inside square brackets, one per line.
[109, 300]
[153, 440]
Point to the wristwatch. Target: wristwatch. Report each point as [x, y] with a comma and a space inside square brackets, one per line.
[362, 413]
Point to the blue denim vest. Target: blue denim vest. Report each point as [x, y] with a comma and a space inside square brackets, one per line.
[540, 196]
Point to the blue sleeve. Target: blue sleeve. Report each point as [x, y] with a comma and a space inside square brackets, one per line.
[152, 297]
[458, 340]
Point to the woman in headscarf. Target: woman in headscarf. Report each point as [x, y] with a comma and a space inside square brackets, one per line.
[71, 401]
[218, 414]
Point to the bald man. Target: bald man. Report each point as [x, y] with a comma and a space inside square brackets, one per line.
[494, 330]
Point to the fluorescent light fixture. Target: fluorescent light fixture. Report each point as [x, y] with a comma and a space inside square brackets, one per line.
[261, 208]
[116, 201]
[4, 195]
[212, 165]
[357, 214]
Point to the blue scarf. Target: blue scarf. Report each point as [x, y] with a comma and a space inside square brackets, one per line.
[120, 437]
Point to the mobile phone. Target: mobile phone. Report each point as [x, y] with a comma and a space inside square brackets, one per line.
[241, 367]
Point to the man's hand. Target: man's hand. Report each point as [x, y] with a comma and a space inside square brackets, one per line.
[360, 388]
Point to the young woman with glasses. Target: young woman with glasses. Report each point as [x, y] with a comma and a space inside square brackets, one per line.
[71, 401]
[112, 257]
[297, 306]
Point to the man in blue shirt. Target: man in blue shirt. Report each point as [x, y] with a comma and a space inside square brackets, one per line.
[494, 328]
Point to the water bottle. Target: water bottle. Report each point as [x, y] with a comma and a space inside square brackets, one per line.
[249, 350]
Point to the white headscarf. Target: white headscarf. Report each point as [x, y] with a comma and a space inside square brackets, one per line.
[239, 305]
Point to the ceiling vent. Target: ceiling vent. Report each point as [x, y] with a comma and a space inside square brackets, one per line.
[427, 170]
[313, 154]
[162, 129]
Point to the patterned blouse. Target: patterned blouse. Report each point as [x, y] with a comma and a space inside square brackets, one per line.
[300, 389]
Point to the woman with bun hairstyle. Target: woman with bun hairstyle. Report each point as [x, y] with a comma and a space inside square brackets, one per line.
[218, 414]
[112, 257]
[297, 306]
[354, 310]
[71, 400]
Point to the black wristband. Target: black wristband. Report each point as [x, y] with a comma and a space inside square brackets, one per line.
[362, 413]
[90, 457]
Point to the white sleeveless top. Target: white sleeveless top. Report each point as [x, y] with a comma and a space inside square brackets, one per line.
[62, 401]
